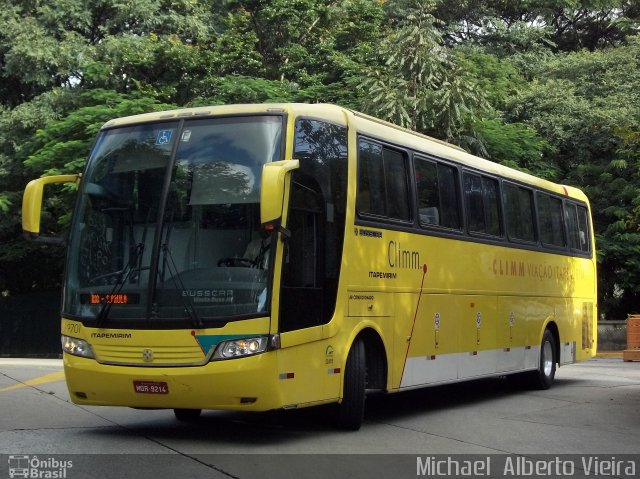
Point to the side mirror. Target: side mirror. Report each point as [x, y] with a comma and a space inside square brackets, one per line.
[32, 205]
[273, 187]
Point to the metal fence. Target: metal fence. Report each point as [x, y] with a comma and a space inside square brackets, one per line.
[30, 325]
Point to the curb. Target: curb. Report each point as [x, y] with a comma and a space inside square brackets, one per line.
[609, 354]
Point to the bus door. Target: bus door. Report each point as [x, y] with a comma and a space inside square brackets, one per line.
[311, 263]
[303, 310]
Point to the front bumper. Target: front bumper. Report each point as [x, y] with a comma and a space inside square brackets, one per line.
[249, 383]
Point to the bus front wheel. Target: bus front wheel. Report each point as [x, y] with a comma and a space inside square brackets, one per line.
[351, 409]
[544, 376]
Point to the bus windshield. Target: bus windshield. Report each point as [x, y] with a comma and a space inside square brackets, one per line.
[167, 225]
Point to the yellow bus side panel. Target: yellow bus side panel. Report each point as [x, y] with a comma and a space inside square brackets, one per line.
[462, 309]
[309, 368]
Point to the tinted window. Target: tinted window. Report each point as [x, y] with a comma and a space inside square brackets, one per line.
[437, 189]
[519, 211]
[395, 170]
[491, 192]
[371, 187]
[449, 197]
[316, 220]
[578, 227]
[550, 220]
[474, 203]
[482, 203]
[583, 228]
[382, 182]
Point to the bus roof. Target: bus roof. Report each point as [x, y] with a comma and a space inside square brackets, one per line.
[365, 124]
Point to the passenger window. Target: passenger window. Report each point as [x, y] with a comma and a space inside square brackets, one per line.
[395, 170]
[491, 195]
[437, 189]
[550, 220]
[371, 188]
[473, 199]
[382, 182]
[578, 227]
[482, 204]
[583, 229]
[519, 210]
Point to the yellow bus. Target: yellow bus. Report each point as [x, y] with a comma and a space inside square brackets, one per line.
[260, 257]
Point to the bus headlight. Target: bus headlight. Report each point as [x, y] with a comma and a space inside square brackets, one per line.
[238, 348]
[77, 347]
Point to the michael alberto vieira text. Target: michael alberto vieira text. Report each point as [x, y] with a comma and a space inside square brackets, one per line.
[517, 466]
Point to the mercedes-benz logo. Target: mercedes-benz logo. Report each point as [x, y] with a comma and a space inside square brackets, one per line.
[147, 355]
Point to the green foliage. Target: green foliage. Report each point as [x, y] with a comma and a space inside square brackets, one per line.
[104, 44]
[568, 25]
[587, 105]
[498, 78]
[546, 86]
[235, 51]
[517, 146]
[17, 126]
[241, 89]
[5, 203]
[63, 145]
[418, 83]
[316, 46]
[52, 134]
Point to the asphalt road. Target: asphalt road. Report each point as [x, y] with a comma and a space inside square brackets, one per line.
[591, 413]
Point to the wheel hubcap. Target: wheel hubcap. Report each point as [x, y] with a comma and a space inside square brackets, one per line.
[547, 359]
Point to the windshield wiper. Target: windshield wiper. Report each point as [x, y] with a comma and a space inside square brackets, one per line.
[125, 273]
[179, 284]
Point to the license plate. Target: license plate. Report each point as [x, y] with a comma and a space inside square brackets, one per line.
[150, 387]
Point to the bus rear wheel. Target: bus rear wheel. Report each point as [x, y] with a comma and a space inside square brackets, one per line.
[543, 377]
[187, 415]
[351, 409]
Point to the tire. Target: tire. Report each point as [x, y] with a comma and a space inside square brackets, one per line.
[351, 409]
[187, 415]
[544, 376]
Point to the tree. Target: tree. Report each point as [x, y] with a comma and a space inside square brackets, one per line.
[314, 46]
[568, 25]
[77, 42]
[67, 126]
[586, 104]
[548, 86]
[417, 83]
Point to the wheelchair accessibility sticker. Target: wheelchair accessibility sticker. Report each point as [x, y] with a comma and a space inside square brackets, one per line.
[164, 137]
